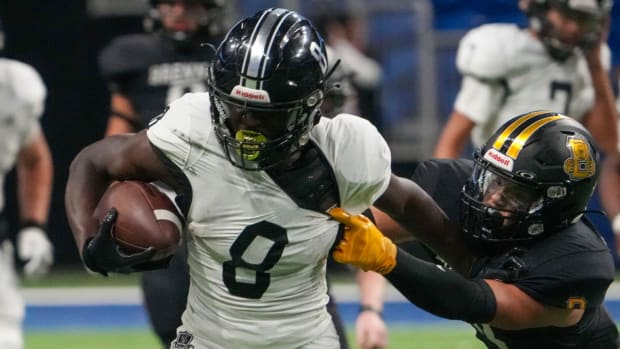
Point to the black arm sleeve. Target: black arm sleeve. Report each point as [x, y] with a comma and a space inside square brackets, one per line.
[442, 292]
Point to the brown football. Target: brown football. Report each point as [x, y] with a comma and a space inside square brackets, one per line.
[146, 217]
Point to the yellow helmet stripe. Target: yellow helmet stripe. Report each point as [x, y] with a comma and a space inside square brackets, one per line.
[499, 141]
[520, 140]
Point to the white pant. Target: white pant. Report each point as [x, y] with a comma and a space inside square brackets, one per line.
[12, 305]
[327, 340]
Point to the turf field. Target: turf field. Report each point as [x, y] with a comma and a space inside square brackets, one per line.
[400, 338]
[72, 310]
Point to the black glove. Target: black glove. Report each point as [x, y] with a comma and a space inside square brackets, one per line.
[101, 254]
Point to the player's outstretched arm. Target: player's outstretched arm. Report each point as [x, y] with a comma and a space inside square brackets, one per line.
[442, 291]
[412, 208]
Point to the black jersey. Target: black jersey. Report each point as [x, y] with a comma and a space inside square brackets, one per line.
[569, 269]
[152, 71]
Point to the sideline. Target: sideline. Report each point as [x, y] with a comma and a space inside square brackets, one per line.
[131, 295]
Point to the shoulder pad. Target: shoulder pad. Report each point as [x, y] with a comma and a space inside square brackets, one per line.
[486, 52]
[359, 155]
[127, 54]
[27, 85]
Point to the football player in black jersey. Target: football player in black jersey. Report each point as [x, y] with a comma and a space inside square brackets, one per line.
[531, 271]
[145, 72]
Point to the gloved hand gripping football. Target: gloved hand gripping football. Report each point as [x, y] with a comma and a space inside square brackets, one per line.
[363, 244]
[101, 254]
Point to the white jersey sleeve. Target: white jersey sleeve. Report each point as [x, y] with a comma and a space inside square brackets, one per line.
[585, 97]
[22, 97]
[484, 59]
[180, 130]
[27, 95]
[359, 156]
[485, 52]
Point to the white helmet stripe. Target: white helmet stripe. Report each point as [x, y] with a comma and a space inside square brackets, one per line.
[262, 36]
[270, 45]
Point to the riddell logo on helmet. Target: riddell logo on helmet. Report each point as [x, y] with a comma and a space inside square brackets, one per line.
[250, 94]
[498, 159]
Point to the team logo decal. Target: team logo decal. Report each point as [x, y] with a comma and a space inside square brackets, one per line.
[250, 94]
[498, 159]
[576, 303]
[580, 164]
[316, 52]
[183, 341]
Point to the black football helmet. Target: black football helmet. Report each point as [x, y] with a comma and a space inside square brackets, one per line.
[590, 14]
[533, 177]
[210, 23]
[274, 64]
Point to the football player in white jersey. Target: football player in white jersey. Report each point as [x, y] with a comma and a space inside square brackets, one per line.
[23, 146]
[559, 62]
[256, 168]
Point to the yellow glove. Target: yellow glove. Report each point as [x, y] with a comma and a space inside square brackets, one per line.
[363, 244]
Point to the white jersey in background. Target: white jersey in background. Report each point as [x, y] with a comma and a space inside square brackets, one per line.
[22, 98]
[506, 72]
[257, 260]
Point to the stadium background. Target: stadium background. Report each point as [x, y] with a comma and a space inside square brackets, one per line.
[415, 41]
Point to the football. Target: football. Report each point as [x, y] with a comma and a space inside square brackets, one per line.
[146, 217]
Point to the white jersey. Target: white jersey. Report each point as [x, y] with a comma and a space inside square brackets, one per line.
[22, 97]
[507, 72]
[257, 260]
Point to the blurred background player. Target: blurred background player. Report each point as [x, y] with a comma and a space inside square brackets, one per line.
[559, 62]
[23, 146]
[345, 35]
[145, 72]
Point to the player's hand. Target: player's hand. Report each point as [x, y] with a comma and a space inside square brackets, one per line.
[35, 249]
[370, 331]
[101, 254]
[592, 42]
[363, 245]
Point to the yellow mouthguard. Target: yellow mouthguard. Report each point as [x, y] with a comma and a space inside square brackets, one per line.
[251, 151]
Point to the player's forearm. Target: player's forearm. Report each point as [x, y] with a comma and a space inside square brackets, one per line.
[609, 184]
[431, 225]
[34, 182]
[85, 186]
[441, 291]
[372, 287]
[602, 119]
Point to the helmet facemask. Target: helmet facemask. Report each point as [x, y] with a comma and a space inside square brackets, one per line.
[253, 150]
[499, 208]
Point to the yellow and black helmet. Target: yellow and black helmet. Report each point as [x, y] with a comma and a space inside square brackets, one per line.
[533, 177]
